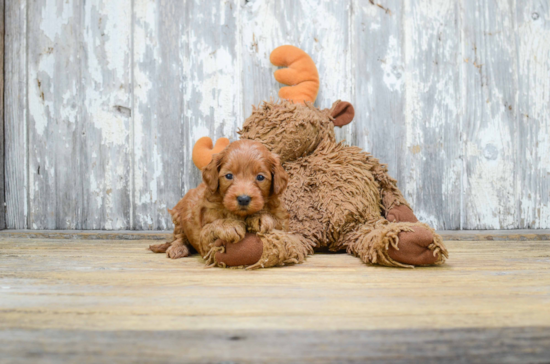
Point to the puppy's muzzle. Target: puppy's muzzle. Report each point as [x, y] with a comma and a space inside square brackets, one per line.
[243, 200]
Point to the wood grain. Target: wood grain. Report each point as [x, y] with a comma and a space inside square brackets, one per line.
[105, 99]
[489, 120]
[15, 114]
[105, 155]
[533, 139]
[2, 155]
[118, 285]
[79, 133]
[431, 167]
[158, 112]
[500, 345]
[379, 89]
[73, 291]
[55, 105]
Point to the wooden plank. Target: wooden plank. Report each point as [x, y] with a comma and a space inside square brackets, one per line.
[90, 234]
[380, 89]
[159, 125]
[489, 121]
[532, 156]
[15, 114]
[106, 154]
[267, 25]
[53, 74]
[455, 235]
[499, 345]
[213, 90]
[431, 165]
[111, 286]
[79, 121]
[495, 235]
[2, 155]
[104, 120]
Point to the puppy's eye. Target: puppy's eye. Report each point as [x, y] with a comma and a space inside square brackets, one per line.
[229, 176]
[260, 177]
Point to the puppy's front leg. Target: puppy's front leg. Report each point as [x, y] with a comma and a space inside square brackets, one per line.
[228, 230]
[262, 223]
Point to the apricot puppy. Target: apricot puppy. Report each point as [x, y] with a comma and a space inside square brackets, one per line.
[239, 194]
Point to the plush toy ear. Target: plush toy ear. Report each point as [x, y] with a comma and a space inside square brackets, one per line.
[203, 150]
[342, 112]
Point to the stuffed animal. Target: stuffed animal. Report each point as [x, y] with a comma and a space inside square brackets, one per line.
[339, 197]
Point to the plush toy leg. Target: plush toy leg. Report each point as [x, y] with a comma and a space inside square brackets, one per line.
[275, 248]
[401, 244]
[282, 248]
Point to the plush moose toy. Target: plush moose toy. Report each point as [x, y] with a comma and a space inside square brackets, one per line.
[338, 196]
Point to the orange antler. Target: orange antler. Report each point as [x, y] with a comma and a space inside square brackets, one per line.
[301, 74]
[203, 150]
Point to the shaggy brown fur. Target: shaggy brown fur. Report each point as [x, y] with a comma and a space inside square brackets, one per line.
[339, 196]
[240, 192]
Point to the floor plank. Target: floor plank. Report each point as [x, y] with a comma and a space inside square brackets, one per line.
[56, 291]
[507, 345]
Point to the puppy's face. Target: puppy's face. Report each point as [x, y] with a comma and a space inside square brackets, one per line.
[246, 175]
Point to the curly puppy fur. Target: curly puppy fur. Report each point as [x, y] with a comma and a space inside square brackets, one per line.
[338, 195]
[240, 192]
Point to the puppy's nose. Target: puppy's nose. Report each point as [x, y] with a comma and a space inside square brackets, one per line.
[244, 200]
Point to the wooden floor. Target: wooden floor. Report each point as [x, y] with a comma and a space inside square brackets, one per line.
[80, 300]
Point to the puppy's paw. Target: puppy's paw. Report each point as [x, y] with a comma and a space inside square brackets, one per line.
[232, 233]
[160, 248]
[261, 223]
[177, 251]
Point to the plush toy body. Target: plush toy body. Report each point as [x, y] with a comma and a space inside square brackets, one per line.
[340, 197]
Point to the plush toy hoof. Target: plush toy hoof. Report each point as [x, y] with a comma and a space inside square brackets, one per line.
[414, 248]
[246, 252]
[401, 213]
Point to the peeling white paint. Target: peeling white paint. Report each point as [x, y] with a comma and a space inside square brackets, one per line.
[391, 65]
[116, 20]
[62, 12]
[113, 128]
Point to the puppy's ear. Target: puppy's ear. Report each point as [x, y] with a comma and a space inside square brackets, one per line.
[211, 171]
[280, 178]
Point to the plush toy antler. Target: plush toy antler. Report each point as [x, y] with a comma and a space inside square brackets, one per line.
[301, 74]
[203, 150]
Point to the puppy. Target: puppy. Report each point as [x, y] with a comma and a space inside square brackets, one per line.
[240, 192]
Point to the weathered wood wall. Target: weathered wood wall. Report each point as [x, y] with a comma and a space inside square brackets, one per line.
[2, 179]
[105, 98]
